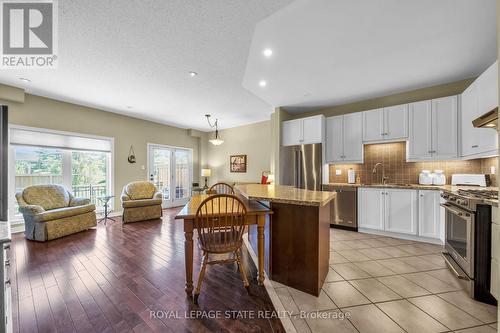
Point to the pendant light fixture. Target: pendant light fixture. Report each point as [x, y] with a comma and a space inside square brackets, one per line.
[215, 141]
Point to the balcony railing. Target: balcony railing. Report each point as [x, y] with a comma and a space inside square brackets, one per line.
[90, 191]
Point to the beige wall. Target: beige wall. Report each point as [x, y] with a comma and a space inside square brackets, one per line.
[253, 140]
[443, 90]
[277, 117]
[47, 113]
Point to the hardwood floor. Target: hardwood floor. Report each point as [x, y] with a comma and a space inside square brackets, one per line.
[112, 278]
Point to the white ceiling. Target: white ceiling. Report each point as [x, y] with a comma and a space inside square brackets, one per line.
[332, 52]
[115, 53]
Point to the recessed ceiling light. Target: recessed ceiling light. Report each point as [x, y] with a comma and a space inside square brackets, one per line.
[24, 79]
[262, 83]
[267, 53]
[193, 74]
[129, 107]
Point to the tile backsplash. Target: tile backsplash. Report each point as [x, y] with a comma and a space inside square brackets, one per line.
[393, 156]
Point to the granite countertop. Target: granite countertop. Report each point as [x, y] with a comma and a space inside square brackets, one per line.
[5, 234]
[407, 186]
[446, 188]
[285, 194]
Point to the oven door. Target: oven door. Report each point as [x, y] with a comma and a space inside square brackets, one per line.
[459, 238]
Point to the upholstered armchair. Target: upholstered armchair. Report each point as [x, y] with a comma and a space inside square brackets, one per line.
[50, 211]
[141, 202]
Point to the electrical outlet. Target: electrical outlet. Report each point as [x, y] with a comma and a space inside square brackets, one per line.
[493, 170]
[338, 172]
[143, 167]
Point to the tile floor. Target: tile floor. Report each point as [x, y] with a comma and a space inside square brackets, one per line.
[383, 284]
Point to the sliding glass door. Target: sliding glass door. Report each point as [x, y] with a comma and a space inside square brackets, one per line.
[171, 169]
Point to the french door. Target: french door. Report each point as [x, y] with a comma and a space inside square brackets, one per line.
[171, 170]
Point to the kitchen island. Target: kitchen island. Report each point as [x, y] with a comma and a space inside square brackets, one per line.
[297, 234]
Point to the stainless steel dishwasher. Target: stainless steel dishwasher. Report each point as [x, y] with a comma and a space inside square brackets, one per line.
[344, 208]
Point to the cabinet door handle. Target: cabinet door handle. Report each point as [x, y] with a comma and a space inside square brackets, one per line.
[475, 146]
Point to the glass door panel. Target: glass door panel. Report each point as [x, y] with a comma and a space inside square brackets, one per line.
[170, 170]
[182, 176]
[160, 171]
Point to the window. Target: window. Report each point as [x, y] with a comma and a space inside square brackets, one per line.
[89, 175]
[81, 164]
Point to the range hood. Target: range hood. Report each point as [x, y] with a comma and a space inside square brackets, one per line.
[487, 120]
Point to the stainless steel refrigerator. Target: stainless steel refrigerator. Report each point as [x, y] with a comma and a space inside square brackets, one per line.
[301, 166]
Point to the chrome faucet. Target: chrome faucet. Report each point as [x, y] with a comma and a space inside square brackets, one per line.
[384, 178]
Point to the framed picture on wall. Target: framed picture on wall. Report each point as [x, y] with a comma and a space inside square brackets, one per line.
[238, 163]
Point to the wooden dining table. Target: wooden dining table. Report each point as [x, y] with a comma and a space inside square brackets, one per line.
[256, 215]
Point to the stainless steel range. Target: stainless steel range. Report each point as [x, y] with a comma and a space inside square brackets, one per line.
[468, 236]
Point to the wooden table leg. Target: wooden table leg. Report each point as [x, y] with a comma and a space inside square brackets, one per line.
[188, 255]
[260, 245]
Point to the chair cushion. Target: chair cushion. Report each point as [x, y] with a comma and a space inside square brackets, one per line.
[140, 190]
[47, 196]
[141, 203]
[60, 213]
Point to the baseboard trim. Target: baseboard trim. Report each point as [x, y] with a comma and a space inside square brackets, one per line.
[401, 236]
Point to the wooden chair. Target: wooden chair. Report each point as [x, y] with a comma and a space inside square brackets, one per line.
[221, 188]
[220, 222]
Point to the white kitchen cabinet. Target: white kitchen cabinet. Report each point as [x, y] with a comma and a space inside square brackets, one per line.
[312, 129]
[335, 139]
[479, 98]
[429, 214]
[371, 208]
[401, 211]
[444, 128]
[433, 131]
[387, 124]
[390, 210]
[291, 132]
[353, 138]
[373, 125]
[344, 142]
[396, 122]
[420, 134]
[302, 131]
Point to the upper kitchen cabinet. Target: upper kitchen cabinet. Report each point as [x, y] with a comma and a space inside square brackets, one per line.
[433, 129]
[373, 125]
[445, 128]
[387, 124]
[479, 98]
[302, 131]
[396, 122]
[344, 139]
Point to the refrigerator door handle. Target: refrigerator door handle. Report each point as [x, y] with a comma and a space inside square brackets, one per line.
[301, 179]
[295, 169]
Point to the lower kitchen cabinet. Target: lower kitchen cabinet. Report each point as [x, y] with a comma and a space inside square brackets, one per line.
[392, 210]
[429, 214]
[371, 208]
[402, 211]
